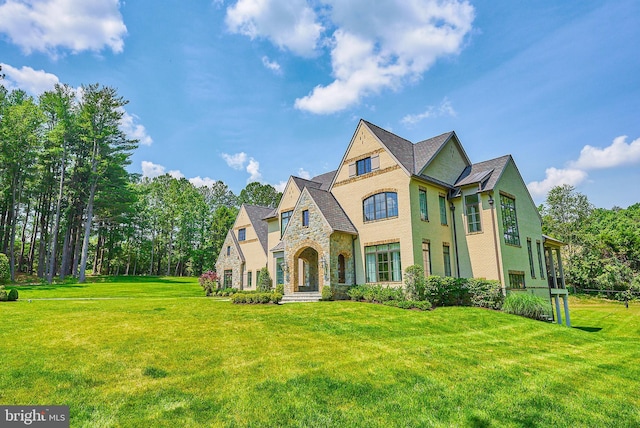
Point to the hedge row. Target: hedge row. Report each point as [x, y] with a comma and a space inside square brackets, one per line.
[253, 297]
[9, 295]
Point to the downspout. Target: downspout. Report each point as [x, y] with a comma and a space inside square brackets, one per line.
[353, 256]
[495, 244]
[455, 236]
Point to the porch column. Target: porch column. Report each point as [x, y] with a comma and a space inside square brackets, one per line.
[552, 266]
[558, 314]
[565, 299]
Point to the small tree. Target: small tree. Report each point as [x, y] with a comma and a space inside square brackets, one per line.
[414, 282]
[264, 280]
[5, 272]
[209, 282]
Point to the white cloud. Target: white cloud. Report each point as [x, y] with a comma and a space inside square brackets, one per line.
[271, 65]
[202, 182]
[556, 177]
[444, 109]
[253, 168]
[619, 153]
[289, 24]
[151, 170]
[304, 174]
[32, 81]
[280, 186]
[134, 130]
[235, 161]
[175, 173]
[77, 25]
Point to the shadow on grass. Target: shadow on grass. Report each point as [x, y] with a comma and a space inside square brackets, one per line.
[48, 287]
[589, 329]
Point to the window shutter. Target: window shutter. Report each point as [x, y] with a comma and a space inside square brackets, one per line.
[375, 162]
[352, 169]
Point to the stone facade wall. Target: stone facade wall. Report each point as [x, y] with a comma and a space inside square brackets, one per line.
[342, 243]
[232, 262]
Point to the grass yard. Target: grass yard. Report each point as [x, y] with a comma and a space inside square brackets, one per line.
[156, 356]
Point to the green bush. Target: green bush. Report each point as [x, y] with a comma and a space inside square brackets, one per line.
[12, 296]
[423, 305]
[485, 293]
[447, 291]
[356, 293]
[327, 294]
[280, 289]
[264, 280]
[5, 271]
[257, 298]
[4, 295]
[414, 282]
[527, 305]
[229, 291]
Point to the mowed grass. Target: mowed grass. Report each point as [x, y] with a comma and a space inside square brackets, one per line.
[156, 360]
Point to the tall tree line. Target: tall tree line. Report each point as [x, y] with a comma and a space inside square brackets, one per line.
[69, 207]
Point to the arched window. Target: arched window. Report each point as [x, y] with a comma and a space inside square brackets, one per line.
[379, 206]
[341, 270]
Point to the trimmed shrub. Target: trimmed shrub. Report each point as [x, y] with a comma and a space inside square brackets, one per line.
[485, 293]
[327, 293]
[209, 282]
[375, 293]
[280, 289]
[423, 305]
[356, 293]
[229, 291]
[5, 271]
[264, 280]
[4, 295]
[12, 296]
[256, 297]
[341, 291]
[447, 291]
[527, 305]
[414, 282]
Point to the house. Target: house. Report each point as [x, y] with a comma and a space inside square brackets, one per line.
[391, 204]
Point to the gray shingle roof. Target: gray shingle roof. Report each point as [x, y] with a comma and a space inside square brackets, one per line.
[303, 182]
[325, 179]
[485, 174]
[256, 214]
[400, 148]
[425, 150]
[236, 244]
[332, 211]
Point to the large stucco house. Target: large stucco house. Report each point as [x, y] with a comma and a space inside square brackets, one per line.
[390, 204]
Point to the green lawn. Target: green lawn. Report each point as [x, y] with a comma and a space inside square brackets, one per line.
[157, 360]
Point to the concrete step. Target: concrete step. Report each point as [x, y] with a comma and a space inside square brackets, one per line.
[300, 297]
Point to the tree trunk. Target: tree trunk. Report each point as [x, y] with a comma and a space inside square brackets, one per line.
[87, 232]
[56, 220]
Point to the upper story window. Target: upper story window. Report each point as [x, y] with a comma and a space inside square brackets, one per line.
[531, 267]
[509, 220]
[472, 210]
[443, 210]
[381, 205]
[228, 250]
[363, 166]
[242, 234]
[284, 220]
[305, 218]
[424, 215]
[540, 260]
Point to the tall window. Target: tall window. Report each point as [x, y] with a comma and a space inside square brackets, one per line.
[228, 278]
[383, 263]
[509, 220]
[284, 221]
[363, 166]
[540, 266]
[341, 269]
[279, 270]
[516, 279]
[228, 250]
[242, 234]
[381, 205]
[424, 215]
[248, 279]
[472, 207]
[426, 257]
[529, 249]
[305, 218]
[446, 254]
[443, 209]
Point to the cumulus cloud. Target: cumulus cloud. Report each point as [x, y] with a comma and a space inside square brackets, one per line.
[271, 65]
[556, 177]
[51, 25]
[253, 168]
[134, 130]
[444, 109]
[289, 24]
[202, 182]
[235, 161]
[304, 174]
[26, 78]
[239, 160]
[151, 170]
[280, 186]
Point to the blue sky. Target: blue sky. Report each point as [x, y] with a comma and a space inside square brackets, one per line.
[257, 90]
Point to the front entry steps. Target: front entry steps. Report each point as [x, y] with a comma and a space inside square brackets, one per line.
[302, 296]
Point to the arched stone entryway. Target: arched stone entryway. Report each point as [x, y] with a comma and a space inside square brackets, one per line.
[306, 272]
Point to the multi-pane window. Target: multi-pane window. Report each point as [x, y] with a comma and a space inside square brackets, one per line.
[516, 279]
[424, 215]
[509, 220]
[242, 234]
[530, 250]
[363, 166]
[383, 263]
[228, 278]
[305, 218]
[443, 210]
[540, 266]
[279, 270]
[446, 254]
[284, 221]
[472, 210]
[381, 205]
[426, 257]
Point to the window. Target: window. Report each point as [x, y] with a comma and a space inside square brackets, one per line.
[363, 166]
[509, 220]
[516, 279]
[305, 218]
[279, 270]
[443, 210]
[249, 279]
[472, 207]
[284, 220]
[426, 257]
[383, 263]
[381, 205]
[228, 250]
[242, 234]
[540, 260]
[533, 270]
[341, 269]
[228, 278]
[424, 215]
[446, 254]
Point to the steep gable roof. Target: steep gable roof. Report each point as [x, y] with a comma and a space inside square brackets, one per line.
[325, 179]
[256, 215]
[425, 150]
[399, 148]
[235, 244]
[485, 174]
[303, 182]
[332, 211]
